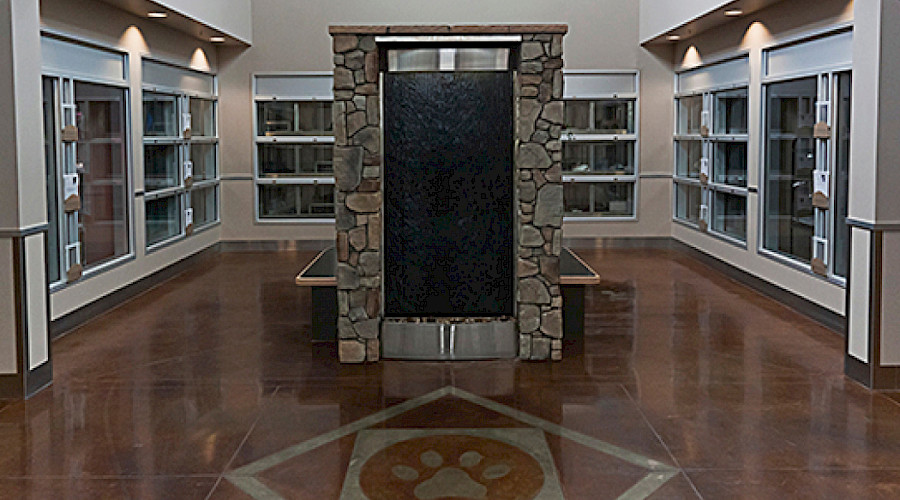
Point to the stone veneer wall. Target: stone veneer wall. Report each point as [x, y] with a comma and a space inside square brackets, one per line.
[358, 193]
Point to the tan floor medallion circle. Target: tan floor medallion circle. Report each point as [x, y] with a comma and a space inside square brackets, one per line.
[451, 466]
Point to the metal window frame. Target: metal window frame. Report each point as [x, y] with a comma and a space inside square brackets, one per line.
[822, 226]
[65, 226]
[260, 181]
[183, 193]
[591, 136]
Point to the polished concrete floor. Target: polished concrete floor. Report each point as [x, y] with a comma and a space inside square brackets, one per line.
[688, 385]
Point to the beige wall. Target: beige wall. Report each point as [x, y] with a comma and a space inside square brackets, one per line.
[292, 35]
[750, 35]
[660, 16]
[96, 22]
[228, 16]
[22, 201]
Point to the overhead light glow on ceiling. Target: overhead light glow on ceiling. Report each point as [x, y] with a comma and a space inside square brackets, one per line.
[157, 15]
[217, 39]
[673, 38]
[734, 12]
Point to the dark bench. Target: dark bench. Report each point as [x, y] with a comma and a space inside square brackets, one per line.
[319, 275]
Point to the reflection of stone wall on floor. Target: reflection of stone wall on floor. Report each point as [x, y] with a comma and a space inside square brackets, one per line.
[358, 184]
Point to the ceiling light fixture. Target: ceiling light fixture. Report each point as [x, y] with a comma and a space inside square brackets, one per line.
[217, 39]
[673, 38]
[734, 12]
[157, 15]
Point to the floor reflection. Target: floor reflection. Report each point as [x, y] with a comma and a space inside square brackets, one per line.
[178, 392]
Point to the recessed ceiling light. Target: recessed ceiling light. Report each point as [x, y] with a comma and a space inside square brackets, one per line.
[217, 39]
[157, 15]
[673, 38]
[734, 12]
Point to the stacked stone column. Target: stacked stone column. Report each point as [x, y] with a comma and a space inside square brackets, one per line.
[540, 196]
[357, 172]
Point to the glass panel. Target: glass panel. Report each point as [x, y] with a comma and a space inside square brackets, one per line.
[731, 112]
[294, 118]
[687, 202]
[690, 110]
[296, 200]
[842, 176]
[203, 201]
[614, 199]
[688, 156]
[730, 163]
[578, 115]
[608, 157]
[100, 115]
[414, 60]
[161, 166]
[472, 59]
[203, 117]
[163, 219]
[50, 164]
[203, 157]
[277, 160]
[730, 215]
[614, 117]
[577, 198]
[790, 160]
[160, 115]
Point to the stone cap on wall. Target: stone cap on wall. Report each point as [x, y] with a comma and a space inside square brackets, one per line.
[445, 29]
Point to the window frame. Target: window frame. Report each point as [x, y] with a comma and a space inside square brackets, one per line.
[593, 138]
[64, 239]
[259, 180]
[708, 152]
[183, 143]
[828, 226]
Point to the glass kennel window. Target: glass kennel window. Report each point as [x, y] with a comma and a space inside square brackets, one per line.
[711, 137]
[294, 175]
[599, 144]
[181, 152]
[86, 143]
[807, 95]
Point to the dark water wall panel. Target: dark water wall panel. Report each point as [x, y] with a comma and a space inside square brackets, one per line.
[448, 194]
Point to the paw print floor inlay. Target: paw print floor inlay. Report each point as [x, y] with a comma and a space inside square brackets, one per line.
[428, 464]
[395, 462]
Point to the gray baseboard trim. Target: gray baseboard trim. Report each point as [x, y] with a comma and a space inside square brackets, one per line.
[589, 243]
[857, 370]
[275, 245]
[38, 379]
[76, 318]
[826, 317]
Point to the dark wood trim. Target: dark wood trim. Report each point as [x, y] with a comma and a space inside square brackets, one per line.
[857, 370]
[854, 368]
[76, 318]
[18, 283]
[826, 317]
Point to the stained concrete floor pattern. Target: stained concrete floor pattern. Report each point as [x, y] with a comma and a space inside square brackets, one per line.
[213, 371]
